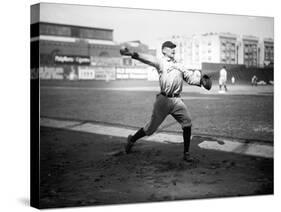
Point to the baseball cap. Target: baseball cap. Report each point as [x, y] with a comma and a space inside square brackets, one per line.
[168, 44]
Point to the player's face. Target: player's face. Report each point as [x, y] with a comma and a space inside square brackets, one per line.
[169, 52]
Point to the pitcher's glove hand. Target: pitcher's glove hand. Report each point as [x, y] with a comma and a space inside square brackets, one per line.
[206, 82]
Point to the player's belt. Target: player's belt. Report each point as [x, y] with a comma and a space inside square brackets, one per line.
[170, 95]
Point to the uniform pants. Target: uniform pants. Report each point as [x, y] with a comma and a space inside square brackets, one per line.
[163, 106]
[222, 81]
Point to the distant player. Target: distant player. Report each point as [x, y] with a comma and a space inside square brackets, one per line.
[254, 80]
[168, 101]
[233, 80]
[223, 79]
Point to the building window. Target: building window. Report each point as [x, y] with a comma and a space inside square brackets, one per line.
[48, 29]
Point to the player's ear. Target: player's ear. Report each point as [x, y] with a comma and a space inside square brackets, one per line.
[164, 50]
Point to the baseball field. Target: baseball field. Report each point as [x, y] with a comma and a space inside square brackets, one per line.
[88, 167]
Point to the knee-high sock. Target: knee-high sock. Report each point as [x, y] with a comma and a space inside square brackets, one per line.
[186, 138]
[139, 134]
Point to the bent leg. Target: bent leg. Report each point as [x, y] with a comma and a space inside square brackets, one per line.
[159, 113]
[181, 114]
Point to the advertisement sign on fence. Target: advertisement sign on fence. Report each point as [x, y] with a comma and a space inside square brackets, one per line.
[105, 73]
[72, 59]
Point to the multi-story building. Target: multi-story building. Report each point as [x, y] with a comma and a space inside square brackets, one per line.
[228, 48]
[195, 52]
[214, 48]
[268, 52]
[251, 50]
[224, 48]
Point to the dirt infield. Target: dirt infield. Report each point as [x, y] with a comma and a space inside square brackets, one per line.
[88, 169]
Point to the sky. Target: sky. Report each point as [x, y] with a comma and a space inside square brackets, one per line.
[150, 25]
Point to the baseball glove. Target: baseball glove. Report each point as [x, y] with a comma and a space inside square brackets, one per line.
[206, 82]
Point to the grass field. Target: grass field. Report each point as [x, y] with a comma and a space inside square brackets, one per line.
[244, 112]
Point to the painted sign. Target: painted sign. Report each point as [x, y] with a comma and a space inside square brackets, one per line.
[72, 59]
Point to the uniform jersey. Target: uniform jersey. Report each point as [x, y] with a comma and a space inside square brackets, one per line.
[171, 77]
[223, 74]
[223, 77]
[171, 74]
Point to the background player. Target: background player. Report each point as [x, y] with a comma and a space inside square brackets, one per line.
[254, 80]
[168, 101]
[223, 79]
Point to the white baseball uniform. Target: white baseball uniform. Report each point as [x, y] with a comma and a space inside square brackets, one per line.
[223, 77]
[168, 101]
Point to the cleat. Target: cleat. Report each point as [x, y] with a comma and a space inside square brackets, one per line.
[129, 144]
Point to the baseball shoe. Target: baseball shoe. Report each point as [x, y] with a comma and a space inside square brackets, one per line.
[187, 158]
[129, 144]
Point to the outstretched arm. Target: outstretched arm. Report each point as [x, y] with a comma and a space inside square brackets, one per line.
[144, 58]
[192, 77]
[197, 78]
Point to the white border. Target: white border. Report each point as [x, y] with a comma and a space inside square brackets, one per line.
[14, 84]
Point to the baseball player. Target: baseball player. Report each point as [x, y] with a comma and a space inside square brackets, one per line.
[168, 101]
[223, 78]
[254, 80]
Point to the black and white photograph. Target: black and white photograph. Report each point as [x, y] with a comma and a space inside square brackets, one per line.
[144, 105]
